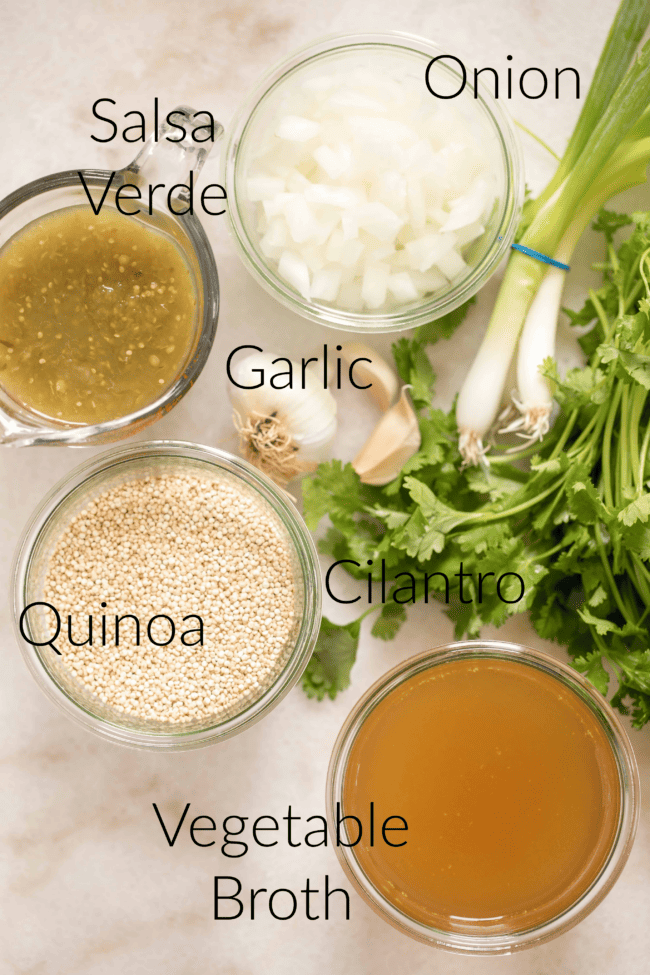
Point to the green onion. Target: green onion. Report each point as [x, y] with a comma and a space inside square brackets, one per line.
[629, 25]
[609, 154]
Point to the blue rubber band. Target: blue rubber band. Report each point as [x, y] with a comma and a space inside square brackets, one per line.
[529, 252]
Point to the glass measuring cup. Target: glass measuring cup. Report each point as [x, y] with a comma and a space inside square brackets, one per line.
[162, 161]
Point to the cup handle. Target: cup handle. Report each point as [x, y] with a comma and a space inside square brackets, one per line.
[171, 159]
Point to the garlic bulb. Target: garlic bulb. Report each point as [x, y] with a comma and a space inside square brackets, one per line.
[393, 441]
[283, 432]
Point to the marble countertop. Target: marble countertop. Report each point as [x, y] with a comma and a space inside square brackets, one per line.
[88, 885]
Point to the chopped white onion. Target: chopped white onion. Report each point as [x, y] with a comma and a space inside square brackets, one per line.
[294, 270]
[375, 283]
[297, 129]
[367, 193]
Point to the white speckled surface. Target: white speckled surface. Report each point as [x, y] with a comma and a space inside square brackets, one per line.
[87, 884]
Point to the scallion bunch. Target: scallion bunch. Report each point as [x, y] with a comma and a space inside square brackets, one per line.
[608, 152]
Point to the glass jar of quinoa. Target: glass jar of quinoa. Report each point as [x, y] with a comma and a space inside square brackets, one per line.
[178, 595]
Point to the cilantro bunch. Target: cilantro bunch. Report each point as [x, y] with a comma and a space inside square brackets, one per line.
[572, 520]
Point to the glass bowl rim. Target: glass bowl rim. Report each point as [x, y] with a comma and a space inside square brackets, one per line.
[54, 431]
[502, 943]
[265, 490]
[418, 314]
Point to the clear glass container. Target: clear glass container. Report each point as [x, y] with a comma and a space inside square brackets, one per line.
[484, 115]
[72, 494]
[172, 161]
[488, 940]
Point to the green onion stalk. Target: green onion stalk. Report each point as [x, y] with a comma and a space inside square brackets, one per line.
[608, 152]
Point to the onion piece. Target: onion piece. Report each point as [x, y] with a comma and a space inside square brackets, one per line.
[364, 194]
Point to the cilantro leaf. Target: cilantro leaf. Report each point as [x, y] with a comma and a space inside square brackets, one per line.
[583, 498]
[608, 223]
[412, 361]
[591, 665]
[443, 328]
[634, 364]
[415, 370]
[637, 510]
[432, 508]
[635, 667]
[601, 626]
[328, 671]
[335, 489]
[389, 621]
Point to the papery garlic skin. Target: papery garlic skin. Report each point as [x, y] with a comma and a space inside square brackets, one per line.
[303, 420]
[393, 441]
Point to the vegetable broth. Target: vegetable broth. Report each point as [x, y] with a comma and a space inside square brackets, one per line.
[97, 315]
[508, 784]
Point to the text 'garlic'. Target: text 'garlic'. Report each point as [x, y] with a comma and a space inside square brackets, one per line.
[393, 441]
[283, 432]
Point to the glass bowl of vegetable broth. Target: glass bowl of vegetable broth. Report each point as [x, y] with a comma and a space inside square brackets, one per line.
[177, 530]
[492, 797]
[359, 199]
[106, 320]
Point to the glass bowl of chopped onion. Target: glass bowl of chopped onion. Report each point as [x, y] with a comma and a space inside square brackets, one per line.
[372, 186]
[166, 595]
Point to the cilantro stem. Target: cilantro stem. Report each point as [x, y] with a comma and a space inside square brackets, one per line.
[613, 259]
[607, 447]
[486, 517]
[643, 615]
[643, 582]
[628, 594]
[624, 447]
[594, 444]
[642, 458]
[638, 402]
[586, 431]
[621, 299]
[600, 311]
[633, 295]
[640, 579]
[644, 257]
[508, 458]
[565, 434]
[600, 643]
[610, 577]
[644, 571]
[551, 551]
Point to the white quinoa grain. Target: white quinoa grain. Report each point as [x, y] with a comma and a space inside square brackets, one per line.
[175, 544]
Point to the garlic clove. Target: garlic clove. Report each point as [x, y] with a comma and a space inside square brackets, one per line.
[385, 384]
[393, 441]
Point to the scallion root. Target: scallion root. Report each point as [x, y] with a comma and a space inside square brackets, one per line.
[531, 423]
[472, 449]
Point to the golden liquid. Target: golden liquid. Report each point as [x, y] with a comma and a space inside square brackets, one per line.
[97, 315]
[508, 784]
